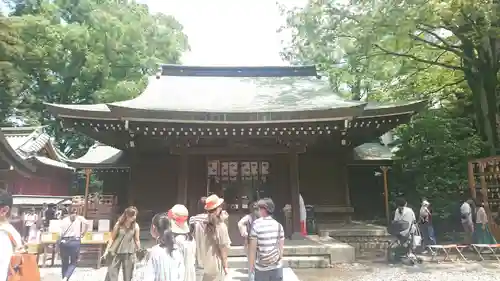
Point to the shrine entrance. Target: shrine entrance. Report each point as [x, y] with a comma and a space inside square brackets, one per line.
[239, 182]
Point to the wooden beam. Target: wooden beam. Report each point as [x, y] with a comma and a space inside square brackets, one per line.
[88, 172]
[278, 149]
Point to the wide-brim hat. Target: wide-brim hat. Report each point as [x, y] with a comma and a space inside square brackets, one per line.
[178, 216]
[212, 202]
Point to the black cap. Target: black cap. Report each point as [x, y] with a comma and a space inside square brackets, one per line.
[5, 199]
[266, 203]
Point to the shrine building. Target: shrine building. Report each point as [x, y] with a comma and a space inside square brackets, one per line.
[31, 165]
[241, 132]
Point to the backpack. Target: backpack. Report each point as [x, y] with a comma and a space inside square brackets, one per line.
[23, 266]
[249, 225]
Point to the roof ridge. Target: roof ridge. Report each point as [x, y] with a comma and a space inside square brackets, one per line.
[30, 138]
[12, 130]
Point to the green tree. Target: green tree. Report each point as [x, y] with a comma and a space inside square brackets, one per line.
[89, 51]
[10, 74]
[432, 158]
[389, 46]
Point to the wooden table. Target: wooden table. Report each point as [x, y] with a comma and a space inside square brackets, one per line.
[46, 245]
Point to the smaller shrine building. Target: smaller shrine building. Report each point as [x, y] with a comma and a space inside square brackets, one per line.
[31, 165]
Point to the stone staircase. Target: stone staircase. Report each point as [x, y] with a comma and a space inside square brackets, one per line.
[307, 253]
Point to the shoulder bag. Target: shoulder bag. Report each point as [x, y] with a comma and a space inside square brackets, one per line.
[22, 266]
[274, 256]
[61, 239]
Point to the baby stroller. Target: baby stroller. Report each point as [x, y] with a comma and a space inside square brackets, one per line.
[401, 249]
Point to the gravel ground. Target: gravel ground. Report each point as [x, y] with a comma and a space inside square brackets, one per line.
[485, 271]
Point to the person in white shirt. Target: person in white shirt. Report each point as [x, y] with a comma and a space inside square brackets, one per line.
[30, 219]
[72, 229]
[165, 261]
[10, 239]
[245, 226]
[482, 232]
[466, 220]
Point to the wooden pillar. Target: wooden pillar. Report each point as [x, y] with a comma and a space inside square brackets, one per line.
[471, 179]
[385, 169]
[88, 172]
[482, 180]
[294, 189]
[130, 190]
[345, 174]
[182, 183]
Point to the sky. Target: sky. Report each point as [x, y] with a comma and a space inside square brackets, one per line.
[229, 32]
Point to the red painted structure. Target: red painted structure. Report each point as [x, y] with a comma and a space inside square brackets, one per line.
[31, 165]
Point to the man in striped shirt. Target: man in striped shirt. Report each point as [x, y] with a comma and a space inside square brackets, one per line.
[266, 244]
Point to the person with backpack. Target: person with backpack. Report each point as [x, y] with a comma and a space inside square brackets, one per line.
[425, 224]
[216, 241]
[165, 261]
[466, 213]
[267, 240]
[183, 237]
[10, 239]
[15, 263]
[245, 225]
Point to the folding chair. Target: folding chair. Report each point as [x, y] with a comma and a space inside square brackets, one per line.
[491, 248]
[447, 250]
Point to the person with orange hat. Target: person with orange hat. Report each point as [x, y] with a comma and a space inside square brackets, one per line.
[183, 236]
[217, 241]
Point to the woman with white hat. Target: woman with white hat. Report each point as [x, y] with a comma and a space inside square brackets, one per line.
[217, 241]
[178, 216]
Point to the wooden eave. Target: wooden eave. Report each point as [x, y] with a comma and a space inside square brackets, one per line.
[101, 156]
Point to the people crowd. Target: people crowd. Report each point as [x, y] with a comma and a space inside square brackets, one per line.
[187, 247]
[198, 246]
[415, 233]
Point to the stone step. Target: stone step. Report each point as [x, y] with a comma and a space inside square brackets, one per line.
[316, 250]
[290, 262]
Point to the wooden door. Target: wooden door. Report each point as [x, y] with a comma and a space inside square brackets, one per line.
[239, 183]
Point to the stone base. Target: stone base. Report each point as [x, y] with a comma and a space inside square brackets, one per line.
[363, 237]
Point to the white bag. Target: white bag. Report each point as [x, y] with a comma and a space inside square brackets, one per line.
[417, 240]
[139, 268]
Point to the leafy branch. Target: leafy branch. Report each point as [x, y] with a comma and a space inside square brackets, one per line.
[415, 58]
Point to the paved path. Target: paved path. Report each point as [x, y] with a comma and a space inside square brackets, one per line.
[90, 274]
[485, 271]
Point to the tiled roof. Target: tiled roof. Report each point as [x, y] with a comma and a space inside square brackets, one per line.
[10, 159]
[240, 93]
[27, 142]
[101, 156]
[373, 151]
